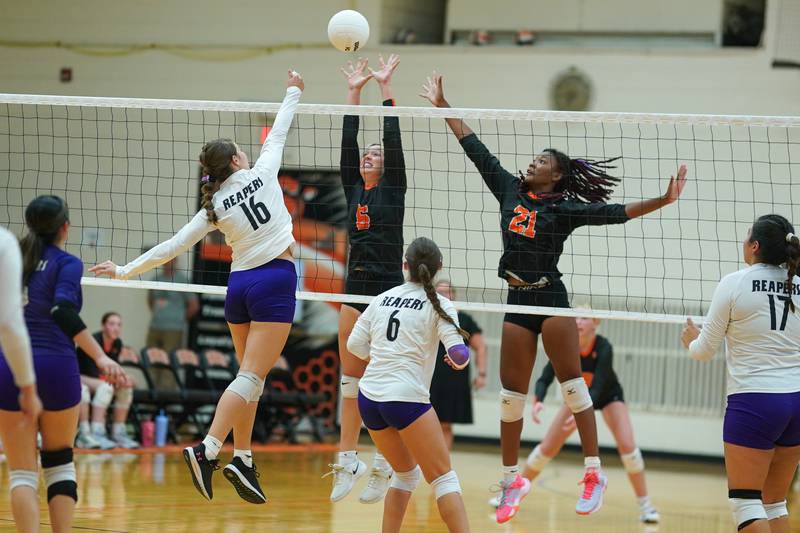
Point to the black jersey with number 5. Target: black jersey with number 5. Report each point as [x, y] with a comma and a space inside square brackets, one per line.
[374, 214]
[534, 230]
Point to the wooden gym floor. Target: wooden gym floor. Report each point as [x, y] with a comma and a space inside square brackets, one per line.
[147, 491]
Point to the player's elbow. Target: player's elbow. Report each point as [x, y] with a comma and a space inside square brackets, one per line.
[358, 347]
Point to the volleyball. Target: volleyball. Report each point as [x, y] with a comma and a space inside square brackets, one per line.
[348, 30]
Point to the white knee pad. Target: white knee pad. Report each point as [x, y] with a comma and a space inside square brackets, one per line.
[746, 506]
[633, 461]
[445, 484]
[576, 395]
[103, 395]
[776, 510]
[406, 481]
[25, 478]
[537, 460]
[512, 405]
[349, 386]
[86, 395]
[123, 398]
[248, 386]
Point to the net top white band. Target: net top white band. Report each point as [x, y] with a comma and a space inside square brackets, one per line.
[418, 112]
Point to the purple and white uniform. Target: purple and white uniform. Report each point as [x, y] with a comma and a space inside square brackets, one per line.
[57, 280]
[750, 310]
[399, 334]
[258, 228]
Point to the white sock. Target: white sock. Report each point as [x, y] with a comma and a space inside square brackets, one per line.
[644, 503]
[348, 457]
[381, 462]
[213, 446]
[591, 462]
[85, 428]
[119, 429]
[98, 428]
[510, 473]
[245, 455]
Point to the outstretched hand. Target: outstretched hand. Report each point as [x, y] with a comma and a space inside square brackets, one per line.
[356, 75]
[676, 185]
[690, 332]
[432, 89]
[387, 68]
[106, 268]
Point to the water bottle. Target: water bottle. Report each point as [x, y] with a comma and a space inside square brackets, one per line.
[161, 428]
[148, 433]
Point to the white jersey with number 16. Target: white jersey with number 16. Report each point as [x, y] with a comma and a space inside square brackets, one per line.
[249, 206]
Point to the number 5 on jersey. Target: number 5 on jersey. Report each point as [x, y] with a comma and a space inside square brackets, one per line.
[362, 217]
[518, 223]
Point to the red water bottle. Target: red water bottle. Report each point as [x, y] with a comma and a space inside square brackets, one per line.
[148, 433]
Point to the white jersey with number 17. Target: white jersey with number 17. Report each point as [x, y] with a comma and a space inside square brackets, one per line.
[751, 311]
[399, 335]
[249, 207]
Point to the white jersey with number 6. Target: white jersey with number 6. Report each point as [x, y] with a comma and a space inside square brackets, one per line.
[399, 335]
[249, 206]
[750, 310]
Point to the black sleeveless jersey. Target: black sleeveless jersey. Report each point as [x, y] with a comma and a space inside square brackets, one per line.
[375, 214]
[534, 229]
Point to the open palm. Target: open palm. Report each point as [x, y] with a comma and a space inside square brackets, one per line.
[433, 90]
[357, 74]
[384, 74]
[676, 185]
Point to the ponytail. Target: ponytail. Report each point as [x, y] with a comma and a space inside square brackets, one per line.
[215, 158]
[207, 203]
[792, 263]
[424, 276]
[32, 247]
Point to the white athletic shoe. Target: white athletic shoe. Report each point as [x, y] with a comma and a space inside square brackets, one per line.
[105, 442]
[344, 478]
[377, 486]
[86, 441]
[650, 515]
[124, 441]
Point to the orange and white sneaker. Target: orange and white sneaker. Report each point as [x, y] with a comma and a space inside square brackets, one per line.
[594, 486]
[511, 495]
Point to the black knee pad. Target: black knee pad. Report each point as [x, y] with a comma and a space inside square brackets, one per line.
[59, 473]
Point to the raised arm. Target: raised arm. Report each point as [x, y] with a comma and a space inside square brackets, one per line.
[433, 91]
[498, 179]
[674, 190]
[357, 77]
[187, 237]
[394, 165]
[269, 161]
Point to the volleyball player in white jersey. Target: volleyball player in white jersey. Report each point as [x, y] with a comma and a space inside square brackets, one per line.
[247, 206]
[754, 312]
[398, 334]
[16, 348]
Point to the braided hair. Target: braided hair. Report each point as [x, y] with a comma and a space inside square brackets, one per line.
[44, 216]
[584, 180]
[215, 157]
[777, 246]
[424, 261]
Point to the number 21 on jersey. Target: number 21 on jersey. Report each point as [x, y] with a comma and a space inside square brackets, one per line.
[524, 223]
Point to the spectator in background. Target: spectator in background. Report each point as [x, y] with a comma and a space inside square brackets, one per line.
[171, 310]
[97, 394]
[451, 391]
